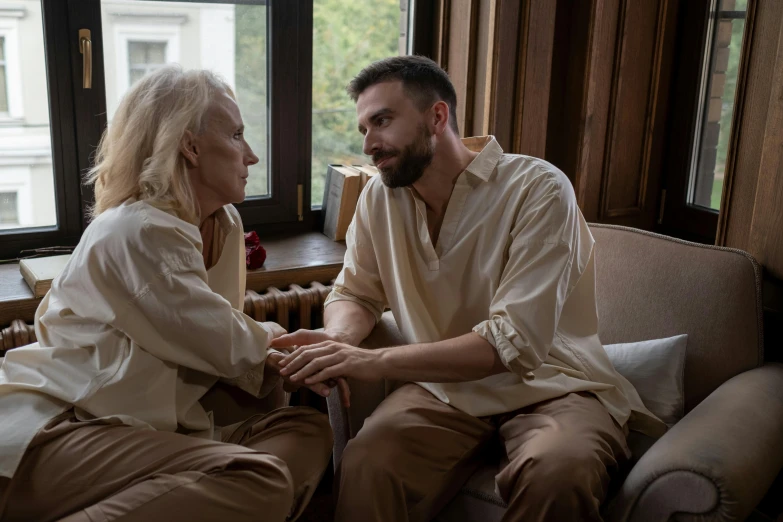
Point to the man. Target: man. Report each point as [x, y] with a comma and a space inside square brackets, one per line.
[102, 417]
[488, 267]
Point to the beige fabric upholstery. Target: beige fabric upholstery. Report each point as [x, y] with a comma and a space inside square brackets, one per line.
[651, 286]
[720, 459]
[730, 447]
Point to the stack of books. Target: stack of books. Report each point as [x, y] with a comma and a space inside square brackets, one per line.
[343, 185]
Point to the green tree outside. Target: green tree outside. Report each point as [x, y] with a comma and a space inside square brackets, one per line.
[347, 36]
[251, 86]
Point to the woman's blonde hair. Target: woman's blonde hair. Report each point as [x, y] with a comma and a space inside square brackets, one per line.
[139, 154]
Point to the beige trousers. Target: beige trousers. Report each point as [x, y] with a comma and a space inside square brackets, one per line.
[265, 468]
[414, 453]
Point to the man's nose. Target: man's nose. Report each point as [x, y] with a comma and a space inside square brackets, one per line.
[371, 145]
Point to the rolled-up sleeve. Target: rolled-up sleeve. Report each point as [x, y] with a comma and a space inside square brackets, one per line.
[360, 280]
[550, 248]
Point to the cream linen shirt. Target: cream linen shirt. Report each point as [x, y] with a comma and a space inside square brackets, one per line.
[514, 263]
[135, 330]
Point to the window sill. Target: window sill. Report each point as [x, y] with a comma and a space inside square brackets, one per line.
[299, 259]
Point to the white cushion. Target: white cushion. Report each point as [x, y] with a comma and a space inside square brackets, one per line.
[657, 370]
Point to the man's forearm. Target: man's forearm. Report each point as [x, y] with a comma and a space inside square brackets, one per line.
[348, 322]
[466, 358]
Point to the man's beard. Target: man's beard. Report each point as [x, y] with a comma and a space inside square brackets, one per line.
[411, 162]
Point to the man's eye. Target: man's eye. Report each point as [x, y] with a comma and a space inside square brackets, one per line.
[238, 135]
[382, 121]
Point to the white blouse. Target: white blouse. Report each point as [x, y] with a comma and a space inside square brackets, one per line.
[135, 329]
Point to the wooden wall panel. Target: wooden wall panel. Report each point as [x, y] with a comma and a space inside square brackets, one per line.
[533, 77]
[765, 237]
[739, 193]
[591, 140]
[631, 108]
[504, 71]
[461, 58]
[613, 121]
[485, 43]
[519, 95]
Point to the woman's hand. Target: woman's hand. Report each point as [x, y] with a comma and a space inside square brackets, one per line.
[276, 329]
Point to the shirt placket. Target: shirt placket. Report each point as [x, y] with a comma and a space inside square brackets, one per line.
[453, 215]
[433, 263]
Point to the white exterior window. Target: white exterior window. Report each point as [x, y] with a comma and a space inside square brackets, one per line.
[9, 209]
[11, 103]
[142, 48]
[145, 57]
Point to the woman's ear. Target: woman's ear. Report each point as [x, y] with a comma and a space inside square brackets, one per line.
[189, 149]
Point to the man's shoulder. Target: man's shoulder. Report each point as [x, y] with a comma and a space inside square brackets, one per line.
[532, 175]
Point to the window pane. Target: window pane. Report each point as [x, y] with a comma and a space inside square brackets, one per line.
[26, 172]
[346, 37]
[136, 53]
[226, 38]
[9, 208]
[156, 54]
[719, 86]
[3, 90]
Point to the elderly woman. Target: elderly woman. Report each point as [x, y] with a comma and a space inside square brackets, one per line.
[101, 418]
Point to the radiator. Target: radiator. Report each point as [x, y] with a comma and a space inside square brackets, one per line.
[292, 309]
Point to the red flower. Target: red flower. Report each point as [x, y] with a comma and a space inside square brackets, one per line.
[255, 255]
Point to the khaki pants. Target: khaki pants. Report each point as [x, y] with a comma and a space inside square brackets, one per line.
[414, 452]
[265, 468]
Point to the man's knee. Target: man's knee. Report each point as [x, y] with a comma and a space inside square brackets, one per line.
[557, 469]
[372, 451]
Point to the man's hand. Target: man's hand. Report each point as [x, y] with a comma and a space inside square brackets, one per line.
[273, 362]
[320, 362]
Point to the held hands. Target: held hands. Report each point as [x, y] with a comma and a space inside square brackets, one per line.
[289, 343]
[322, 362]
[319, 358]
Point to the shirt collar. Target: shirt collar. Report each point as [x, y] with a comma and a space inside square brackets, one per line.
[225, 219]
[489, 151]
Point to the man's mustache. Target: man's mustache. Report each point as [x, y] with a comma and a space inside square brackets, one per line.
[382, 155]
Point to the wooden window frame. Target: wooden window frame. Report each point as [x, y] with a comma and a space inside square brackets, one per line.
[678, 217]
[76, 129]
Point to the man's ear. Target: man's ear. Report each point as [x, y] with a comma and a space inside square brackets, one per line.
[440, 117]
[189, 149]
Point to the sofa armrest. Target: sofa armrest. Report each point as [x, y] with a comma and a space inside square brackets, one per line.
[365, 396]
[718, 461]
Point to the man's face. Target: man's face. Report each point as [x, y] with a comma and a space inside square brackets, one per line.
[223, 154]
[395, 133]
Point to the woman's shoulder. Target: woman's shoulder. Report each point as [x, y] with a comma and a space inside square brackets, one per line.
[138, 227]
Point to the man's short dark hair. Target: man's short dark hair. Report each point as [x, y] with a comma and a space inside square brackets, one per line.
[424, 81]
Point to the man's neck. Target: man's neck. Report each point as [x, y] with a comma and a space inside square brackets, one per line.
[451, 158]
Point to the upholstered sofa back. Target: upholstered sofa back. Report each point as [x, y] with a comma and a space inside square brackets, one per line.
[651, 286]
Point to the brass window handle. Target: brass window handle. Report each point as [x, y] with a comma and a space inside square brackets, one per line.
[85, 47]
